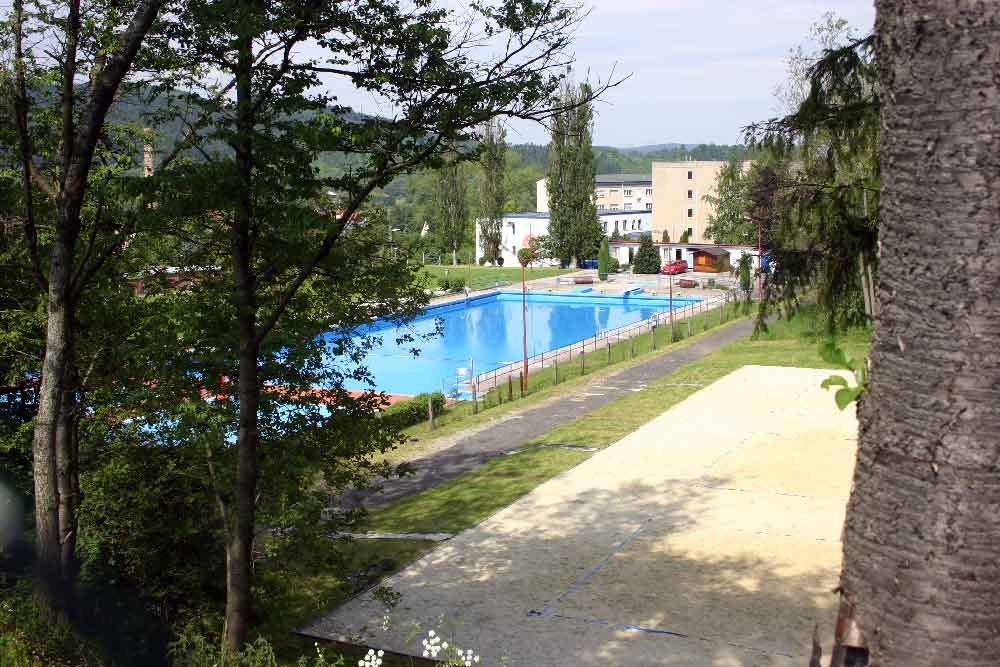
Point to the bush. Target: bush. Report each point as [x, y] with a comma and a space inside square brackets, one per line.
[499, 261]
[414, 410]
[614, 266]
[483, 260]
[647, 260]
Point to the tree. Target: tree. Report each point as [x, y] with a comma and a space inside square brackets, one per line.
[492, 191]
[922, 538]
[573, 223]
[814, 194]
[274, 237]
[603, 259]
[647, 260]
[453, 210]
[61, 130]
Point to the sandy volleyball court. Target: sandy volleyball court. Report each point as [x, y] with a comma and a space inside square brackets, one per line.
[710, 536]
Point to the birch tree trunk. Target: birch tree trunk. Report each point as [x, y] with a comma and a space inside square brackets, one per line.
[921, 574]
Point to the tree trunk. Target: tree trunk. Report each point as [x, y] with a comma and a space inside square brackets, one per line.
[921, 574]
[67, 469]
[58, 351]
[454, 256]
[239, 546]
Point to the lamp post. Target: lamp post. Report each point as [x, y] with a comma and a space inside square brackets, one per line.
[524, 257]
[391, 230]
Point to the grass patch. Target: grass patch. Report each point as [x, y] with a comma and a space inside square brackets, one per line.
[482, 277]
[465, 501]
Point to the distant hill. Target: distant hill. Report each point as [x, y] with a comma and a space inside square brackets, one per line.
[609, 160]
[655, 148]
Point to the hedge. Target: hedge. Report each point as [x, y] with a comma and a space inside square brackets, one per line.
[414, 410]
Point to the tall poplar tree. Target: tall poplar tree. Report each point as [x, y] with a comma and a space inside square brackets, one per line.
[574, 230]
[493, 190]
[453, 210]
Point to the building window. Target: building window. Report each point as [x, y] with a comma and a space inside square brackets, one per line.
[690, 233]
[649, 206]
[604, 226]
[616, 225]
[690, 175]
[600, 207]
[612, 192]
[628, 193]
[614, 208]
[690, 194]
[679, 254]
[690, 212]
[649, 191]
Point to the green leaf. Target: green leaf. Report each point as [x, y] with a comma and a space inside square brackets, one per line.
[833, 381]
[847, 396]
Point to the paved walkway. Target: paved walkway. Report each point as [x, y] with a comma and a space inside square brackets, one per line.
[706, 537]
[513, 433]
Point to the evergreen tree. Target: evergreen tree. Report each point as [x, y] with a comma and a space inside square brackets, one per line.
[647, 260]
[573, 223]
[453, 210]
[492, 190]
[603, 259]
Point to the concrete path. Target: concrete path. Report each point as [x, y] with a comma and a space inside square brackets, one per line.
[512, 433]
[710, 536]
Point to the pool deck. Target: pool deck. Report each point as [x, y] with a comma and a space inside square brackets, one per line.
[709, 536]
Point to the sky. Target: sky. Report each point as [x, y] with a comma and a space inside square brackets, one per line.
[700, 71]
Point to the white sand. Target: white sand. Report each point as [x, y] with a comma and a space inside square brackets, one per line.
[719, 520]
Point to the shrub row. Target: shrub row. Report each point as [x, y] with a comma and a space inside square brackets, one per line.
[414, 410]
[451, 284]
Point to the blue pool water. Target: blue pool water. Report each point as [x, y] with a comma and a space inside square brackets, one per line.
[487, 330]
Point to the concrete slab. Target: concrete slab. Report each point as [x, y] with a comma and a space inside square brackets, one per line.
[710, 536]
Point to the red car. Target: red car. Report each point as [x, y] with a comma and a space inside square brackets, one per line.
[675, 267]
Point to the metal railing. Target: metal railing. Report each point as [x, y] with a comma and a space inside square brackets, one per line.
[484, 382]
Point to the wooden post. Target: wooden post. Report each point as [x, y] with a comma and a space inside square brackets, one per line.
[609, 351]
[430, 411]
[555, 371]
[652, 334]
[510, 387]
[583, 362]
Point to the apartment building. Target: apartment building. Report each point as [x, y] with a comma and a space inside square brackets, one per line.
[518, 228]
[679, 189]
[612, 192]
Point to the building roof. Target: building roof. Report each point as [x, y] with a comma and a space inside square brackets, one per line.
[715, 251]
[617, 179]
[537, 215]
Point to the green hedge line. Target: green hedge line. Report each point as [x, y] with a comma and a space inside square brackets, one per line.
[414, 410]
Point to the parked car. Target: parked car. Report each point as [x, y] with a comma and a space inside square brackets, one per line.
[675, 267]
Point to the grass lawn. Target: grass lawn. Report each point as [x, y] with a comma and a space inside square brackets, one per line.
[481, 277]
[455, 505]
[466, 500]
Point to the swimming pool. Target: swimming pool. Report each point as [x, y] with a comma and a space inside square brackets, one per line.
[485, 331]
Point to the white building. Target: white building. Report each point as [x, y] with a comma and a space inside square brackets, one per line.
[518, 228]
